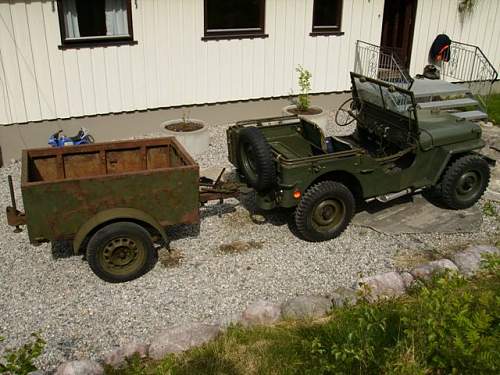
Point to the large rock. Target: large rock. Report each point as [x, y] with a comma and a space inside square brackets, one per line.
[119, 356]
[227, 321]
[306, 307]
[408, 279]
[344, 296]
[181, 338]
[80, 368]
[425, 271]
[469, 260]
[261, 313]
[385, 285]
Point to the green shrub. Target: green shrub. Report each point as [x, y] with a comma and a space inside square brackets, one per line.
[450, 325]
[304, 102]
[20, 361]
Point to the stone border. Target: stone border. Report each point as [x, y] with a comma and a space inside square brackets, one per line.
[180, 338]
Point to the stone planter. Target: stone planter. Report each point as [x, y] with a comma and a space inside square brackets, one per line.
[193, 134]
[320, 118]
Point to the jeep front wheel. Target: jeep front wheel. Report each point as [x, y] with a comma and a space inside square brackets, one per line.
[465, 181]
[121, 252]
[324, 211]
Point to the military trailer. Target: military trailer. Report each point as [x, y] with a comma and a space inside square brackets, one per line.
[113, 200]
[391, 153]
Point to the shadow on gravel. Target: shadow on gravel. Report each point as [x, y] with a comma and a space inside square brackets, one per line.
[61, 249]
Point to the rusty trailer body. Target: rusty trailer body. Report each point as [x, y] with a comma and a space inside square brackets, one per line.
[81, 192]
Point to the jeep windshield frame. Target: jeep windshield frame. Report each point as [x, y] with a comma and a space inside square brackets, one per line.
[375, 95]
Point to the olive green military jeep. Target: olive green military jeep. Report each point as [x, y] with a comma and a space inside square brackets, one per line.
[290, 163]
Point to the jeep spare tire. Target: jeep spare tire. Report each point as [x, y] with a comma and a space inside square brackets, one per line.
[255, 159]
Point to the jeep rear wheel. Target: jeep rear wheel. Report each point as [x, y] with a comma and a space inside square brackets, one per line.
[465, 181]
[324, 211]
[255, 159]
[121, 252]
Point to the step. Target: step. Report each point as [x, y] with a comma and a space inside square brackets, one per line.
[470, 115]
[446, 104]
[429, 87]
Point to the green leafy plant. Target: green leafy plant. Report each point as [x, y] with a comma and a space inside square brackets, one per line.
[489, 209]
[466, 8]
[20, 361]
[449, 325]
[303, 101]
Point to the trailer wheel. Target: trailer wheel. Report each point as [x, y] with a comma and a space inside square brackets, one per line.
[121, 252]
[255, 159]
[465, 181]
[324, 211]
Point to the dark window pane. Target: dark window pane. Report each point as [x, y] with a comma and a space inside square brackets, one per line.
[91, 17]
[233, 14]
[327, 14]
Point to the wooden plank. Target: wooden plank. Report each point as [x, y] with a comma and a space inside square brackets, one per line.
[23, 47]
[86, 74]
[138, 59]
[150, 60]
[41, 62]
[163, 55]
[125, 75]
[113, 79]
[270, 43]
[100, 79]
[5, 110]
[10, 65]
[72, 73]
[226, 83]
[56, 60]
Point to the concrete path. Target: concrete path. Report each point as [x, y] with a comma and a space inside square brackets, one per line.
[417, 215]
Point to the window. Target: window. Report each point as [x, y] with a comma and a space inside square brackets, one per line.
[327, 17]
[234, 19]
[95, 22]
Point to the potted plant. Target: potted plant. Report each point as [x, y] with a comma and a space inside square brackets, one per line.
[302, 104]
[191, 133]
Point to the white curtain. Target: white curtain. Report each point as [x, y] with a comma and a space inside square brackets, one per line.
[72, 29]
[116, 17]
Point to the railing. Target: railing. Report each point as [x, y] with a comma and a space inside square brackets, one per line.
[380, 63]
[469, 65]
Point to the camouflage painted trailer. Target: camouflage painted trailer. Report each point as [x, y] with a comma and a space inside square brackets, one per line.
[113, 200]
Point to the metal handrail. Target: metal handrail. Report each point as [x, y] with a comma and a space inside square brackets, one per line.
[468, 56]
[469, 65]
[375, 62]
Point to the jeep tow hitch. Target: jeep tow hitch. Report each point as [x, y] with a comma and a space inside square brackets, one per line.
[15, 218]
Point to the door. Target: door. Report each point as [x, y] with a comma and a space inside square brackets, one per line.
[397, 28]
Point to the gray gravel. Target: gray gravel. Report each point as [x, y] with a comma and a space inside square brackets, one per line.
[44, 289]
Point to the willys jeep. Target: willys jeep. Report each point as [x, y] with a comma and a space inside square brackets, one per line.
[291, 164]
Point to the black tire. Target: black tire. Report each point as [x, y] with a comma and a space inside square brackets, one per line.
[464, 182]
[337, 207]
[121, 252]
[255, 160]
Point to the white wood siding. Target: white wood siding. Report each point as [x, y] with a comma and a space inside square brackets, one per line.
[170, 65]
[435, 17]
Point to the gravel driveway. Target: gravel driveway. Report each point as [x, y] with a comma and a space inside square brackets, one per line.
[46, 289]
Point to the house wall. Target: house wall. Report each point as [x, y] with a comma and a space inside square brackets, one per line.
[170, 65]
[434, 17]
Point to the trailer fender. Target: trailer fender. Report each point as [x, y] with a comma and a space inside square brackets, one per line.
[113, 215]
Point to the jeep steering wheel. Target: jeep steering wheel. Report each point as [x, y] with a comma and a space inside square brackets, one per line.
[345, 114]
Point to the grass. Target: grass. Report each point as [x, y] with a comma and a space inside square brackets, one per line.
[494, 108]
[451, 325]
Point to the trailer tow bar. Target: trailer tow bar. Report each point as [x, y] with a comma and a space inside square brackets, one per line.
[15, 218]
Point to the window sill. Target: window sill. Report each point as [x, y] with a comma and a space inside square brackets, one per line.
[94, 44]
[233, 36]
[326, 33]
